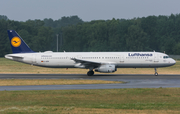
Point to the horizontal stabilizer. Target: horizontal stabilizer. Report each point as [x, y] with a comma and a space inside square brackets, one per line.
[12, 56]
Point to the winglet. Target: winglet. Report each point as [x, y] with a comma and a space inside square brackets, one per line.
[17, 43]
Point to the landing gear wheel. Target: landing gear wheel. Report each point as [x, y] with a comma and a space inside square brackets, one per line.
[156, 74]
[90, 73]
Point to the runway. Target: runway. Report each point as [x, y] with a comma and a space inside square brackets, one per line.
[133, 81]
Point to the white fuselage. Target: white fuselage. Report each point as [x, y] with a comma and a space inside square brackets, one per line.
[119, 59]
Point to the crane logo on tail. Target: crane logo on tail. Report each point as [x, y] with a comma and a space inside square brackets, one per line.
[15, 41]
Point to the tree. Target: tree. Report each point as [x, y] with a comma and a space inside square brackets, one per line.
[136, 39]
[3, 17]
[177, 49]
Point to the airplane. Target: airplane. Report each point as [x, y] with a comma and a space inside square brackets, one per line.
[104, 62]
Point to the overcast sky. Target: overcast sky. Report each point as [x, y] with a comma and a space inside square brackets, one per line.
[87, 10]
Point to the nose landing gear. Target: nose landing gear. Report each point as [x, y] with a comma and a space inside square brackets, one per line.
[156, 74]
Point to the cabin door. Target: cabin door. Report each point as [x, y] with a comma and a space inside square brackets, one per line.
[121, 59]
[156, 58]
[34, 59]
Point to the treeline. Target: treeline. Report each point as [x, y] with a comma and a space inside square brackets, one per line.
[64, 21]
[159, 33]
[40, 35]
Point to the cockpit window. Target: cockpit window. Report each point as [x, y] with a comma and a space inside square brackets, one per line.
[165, 57]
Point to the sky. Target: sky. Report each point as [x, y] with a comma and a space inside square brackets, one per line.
[87, 10]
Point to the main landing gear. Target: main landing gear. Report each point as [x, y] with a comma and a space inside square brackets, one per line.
[90, 73]
[156, 74]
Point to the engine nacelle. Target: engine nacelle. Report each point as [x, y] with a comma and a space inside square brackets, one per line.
[106, 68]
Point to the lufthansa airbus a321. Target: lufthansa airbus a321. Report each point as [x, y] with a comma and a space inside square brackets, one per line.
[105, 62]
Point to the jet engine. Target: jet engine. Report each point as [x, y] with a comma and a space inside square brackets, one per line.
[106, 68]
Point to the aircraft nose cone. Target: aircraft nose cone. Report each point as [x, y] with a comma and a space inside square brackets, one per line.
[173, 61]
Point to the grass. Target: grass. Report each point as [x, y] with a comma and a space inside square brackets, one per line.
[159, 101]
[8, 66]
[20, 82]
[11, 67]
[120, 101]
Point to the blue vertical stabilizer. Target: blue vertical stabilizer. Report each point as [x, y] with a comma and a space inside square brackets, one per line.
[17, 43]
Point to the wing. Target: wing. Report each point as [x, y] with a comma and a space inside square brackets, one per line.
[86, 64]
